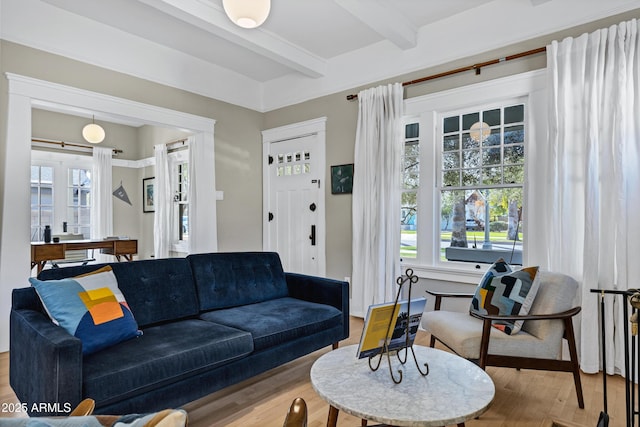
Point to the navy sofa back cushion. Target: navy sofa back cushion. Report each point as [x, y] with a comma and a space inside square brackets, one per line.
[231, 279]
[156, 290]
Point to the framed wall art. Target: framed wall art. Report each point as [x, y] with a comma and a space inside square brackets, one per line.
[148, 194]
[342, 179]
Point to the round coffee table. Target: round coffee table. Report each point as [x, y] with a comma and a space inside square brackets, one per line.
[455, 390]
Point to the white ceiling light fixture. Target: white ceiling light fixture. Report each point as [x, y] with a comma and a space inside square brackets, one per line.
[93, 133]
[247, 13]
[479, 131]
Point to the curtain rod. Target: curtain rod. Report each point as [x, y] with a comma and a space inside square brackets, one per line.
[70, 144]
[476, 67]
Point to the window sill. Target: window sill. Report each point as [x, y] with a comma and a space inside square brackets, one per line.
[458, 275]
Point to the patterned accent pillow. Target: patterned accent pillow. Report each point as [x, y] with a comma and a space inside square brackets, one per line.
[507, 292]
[89, 307]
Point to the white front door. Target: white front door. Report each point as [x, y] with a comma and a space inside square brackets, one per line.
[294, 215]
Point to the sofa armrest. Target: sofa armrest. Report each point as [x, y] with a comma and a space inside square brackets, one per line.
[321, 290]
[45, 364]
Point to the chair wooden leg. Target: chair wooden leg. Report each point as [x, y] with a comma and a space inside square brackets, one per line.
[432, 341]
[568, 330]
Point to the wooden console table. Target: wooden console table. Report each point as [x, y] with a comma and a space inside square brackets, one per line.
[42, 252]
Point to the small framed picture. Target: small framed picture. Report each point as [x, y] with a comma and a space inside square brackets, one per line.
[342, 179]
[148, 195]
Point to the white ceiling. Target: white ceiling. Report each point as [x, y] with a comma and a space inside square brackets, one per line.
[306, 48]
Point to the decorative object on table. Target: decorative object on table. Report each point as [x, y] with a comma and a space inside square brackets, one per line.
[387, 348]
[374, 332]
[342, 179]
[148, 195]
[47, 234]
[121, 194]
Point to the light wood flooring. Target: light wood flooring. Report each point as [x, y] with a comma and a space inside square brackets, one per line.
[523, 398]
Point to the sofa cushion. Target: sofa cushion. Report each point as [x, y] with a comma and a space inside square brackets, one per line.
[90, 307]
[233, 279]
[277, 321]
[163, 355]
[158, 290]
[506, 292]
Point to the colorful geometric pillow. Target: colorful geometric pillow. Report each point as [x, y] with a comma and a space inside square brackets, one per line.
[506, 292]
[89, 307]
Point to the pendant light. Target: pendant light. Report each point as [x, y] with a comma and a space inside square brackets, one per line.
[247, 13]
[93, 133]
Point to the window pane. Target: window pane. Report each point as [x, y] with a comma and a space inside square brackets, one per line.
[35, 174]
[34, 197]
[491, 156]
[464, 226]
[491, 117]
[470, 177]
[46, 216]
[514, 114]
[492, 175]
[493, 138]
[513, 134]
[470, 158]
[469, 119]
[451, 124]
[411, 131]
[46, 175]
[451, 178]
[451, 143]
[468, 142]
[408, 225]
[514, 155]
[411, 176]
[451, 160]
[514, 174]
[46, 196]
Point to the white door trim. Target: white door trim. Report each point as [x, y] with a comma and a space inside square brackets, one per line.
[296, 130]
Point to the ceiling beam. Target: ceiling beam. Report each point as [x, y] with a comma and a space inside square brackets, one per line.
[384, 19]
[212, 18]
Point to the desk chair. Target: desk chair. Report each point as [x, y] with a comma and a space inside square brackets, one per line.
[75, 256]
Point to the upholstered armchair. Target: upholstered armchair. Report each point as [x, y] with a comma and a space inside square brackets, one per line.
[538, 345]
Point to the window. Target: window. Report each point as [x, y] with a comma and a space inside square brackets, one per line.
[465, 178]
[181, 201]
[481, 177]
[41, 200]
[410, 184]
[79, 201]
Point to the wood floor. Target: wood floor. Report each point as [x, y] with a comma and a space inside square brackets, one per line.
[523, 398]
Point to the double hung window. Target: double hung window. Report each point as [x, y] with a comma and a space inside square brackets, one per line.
[465, 151]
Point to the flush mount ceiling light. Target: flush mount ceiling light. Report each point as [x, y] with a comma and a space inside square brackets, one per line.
[247, 13]
[479, 131]
[93, 133]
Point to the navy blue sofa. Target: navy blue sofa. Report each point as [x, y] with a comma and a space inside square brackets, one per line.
[208, 321]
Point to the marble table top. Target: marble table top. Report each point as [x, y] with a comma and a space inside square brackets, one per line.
[455, 390]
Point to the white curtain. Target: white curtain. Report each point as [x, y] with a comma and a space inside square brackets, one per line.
[163, 217]
[202, 195]
[590, 166]
[102, 202]
[376, 197]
